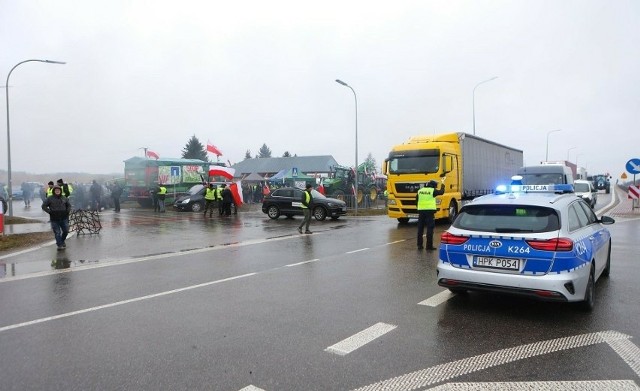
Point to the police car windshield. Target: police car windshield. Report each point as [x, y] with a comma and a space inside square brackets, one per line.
[507, 218]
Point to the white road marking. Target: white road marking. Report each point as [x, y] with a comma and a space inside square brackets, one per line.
[251, 388]
[450, 370]
[360, 339]
[303, 263]
[118, 303]
[357, 251]
[628, 351]
[437, 299]
[595, 385]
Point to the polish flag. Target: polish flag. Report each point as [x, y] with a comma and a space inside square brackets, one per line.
[213, 149]
[153, 155]
[226, 172]
[237, 196]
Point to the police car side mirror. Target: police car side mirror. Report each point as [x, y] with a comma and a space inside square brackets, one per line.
[607, 220]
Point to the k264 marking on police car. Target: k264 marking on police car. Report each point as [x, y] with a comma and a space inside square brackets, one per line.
[518, 249]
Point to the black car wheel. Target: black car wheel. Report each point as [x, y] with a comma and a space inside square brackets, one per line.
[196, 207]
[320, 213]
[273, 212]
[590, 293]
[607, 268]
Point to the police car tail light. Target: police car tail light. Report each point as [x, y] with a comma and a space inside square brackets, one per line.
[448, 238]
[556, 244]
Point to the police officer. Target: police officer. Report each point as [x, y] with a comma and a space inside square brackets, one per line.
[426, 202]
[162, 193]
[306, 209]
[219, 198]
[209, 199]
[67, 189]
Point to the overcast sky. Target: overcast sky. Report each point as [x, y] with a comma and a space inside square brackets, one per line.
[244, 73]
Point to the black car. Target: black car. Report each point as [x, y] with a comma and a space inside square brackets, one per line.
[194, 200]
[287, 201]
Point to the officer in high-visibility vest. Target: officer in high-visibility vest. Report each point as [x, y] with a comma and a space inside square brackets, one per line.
[209, 199]
[49, 190]
[219, 199]
[67, 189]
[162, 193]
[306, 209]
[426, 202]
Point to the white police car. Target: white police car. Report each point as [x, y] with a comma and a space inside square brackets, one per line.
[534, 240]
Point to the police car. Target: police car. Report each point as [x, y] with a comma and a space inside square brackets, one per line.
[540, 241]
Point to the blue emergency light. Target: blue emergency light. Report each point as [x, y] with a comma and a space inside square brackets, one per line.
[517, 186]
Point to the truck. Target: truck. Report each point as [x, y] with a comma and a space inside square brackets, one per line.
[466, 165]
[341, 182]
[178, 175]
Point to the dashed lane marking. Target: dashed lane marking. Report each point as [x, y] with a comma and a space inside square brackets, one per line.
[438, 299]
[595, 385]
[358, 250]
[360, 339]
[118, 303]
[443, 372]
[303, 263]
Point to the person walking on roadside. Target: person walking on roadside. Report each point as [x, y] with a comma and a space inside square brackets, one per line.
[27, 194]
[426, 202]
[209, 199]
[306, 200]
[162, 194]
[58, 208]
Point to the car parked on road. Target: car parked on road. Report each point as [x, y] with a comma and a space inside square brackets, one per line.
[544, 245]
[194, 200]
[287, 201]
[586, 191]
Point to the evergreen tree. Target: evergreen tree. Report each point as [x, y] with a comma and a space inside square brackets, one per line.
[264, 151]
[286, 154]
[194, 150]
[247, 155]
[370, 164]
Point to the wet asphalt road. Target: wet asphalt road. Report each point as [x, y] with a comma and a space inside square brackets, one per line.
[175, 301]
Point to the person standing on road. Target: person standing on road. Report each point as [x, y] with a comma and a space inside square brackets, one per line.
[209, 199]
[426, 202]
[48, 191]
[27, 194]
[96, 195]
[219, 199]
[67, 189]
[58, 208]
[227, 200]
[162, 194]
[116, 193]
[306, 209]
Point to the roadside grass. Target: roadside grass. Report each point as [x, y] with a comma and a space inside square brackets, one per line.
[19, 241]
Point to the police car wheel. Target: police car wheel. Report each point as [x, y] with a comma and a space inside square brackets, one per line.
[589, 295]
[607, 268]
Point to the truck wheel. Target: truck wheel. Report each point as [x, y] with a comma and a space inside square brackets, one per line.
[453, 211]
[403, 220]
[338, 194]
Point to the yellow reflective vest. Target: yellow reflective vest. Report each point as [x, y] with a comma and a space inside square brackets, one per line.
[426, 200]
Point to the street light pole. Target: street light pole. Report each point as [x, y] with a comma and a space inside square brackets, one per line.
[9, 185]
[546, 156]
[568, 150]
[474, 101]
[356, 169]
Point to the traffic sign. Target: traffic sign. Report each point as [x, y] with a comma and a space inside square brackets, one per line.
[633, 166]
[294, 172]
[624, 175]
[634, 192]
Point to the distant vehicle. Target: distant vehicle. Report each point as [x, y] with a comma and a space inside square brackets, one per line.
[546, 174]
[542, 245]
[601, 182]
[586, 191]
[194, 200]
[472, 166]
[341, 182]
[287, 201]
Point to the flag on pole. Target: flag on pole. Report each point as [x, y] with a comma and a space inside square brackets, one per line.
[153, 155]
[235, 192]
[226, 172]
[213, 149]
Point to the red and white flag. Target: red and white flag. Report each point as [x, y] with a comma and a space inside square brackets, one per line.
[235, 192]
[226, 172]
[152, 155]
[213, 149]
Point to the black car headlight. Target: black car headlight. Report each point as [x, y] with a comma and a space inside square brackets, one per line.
[185, 201]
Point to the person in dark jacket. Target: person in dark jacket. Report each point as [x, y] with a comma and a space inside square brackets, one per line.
[227, 200]
[305, 202]
[58, 208]
[116, 193]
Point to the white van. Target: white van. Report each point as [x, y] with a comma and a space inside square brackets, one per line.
[545, 174]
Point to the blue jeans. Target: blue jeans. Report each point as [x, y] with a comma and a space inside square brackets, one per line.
[60, 230]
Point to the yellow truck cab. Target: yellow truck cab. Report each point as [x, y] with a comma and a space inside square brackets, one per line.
[467, 166]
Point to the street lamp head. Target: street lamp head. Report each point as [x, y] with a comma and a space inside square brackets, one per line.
[54, 62]
[341, 82]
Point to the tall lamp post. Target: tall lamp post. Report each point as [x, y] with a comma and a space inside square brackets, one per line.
[569, 150]
[9, 185]
[474, 101]
[356, 169]
[546, 156]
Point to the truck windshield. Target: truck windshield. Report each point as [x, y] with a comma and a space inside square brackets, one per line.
[427, 161]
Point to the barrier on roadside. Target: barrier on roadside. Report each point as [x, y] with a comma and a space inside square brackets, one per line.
[84, 222]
